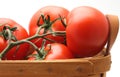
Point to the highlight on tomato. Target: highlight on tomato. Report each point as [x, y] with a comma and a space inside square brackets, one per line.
[87, 31]
[18, 33]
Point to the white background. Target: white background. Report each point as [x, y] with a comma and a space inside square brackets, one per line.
[22, 10]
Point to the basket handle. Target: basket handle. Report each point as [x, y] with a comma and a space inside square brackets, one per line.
[114, 27]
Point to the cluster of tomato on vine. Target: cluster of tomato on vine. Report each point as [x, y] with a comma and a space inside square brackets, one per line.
[55, 33]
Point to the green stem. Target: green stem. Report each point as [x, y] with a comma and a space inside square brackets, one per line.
[39, 28]
[9, 46]
[60, 33]
[53, 41]
[12, 44]
[35, 47]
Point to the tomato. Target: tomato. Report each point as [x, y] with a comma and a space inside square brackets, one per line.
[58, 51]
[20, 33]
[54, 12]
[87, 31]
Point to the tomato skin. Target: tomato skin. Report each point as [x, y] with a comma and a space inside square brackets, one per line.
[54, 12]
[87, 31]
[58, 51]
[20, 34]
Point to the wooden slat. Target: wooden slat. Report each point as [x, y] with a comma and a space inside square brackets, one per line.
[87, 67]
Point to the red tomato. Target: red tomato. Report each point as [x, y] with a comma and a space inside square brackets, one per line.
[87, 31]
[58, 51]
[20, 33]
[54, 12]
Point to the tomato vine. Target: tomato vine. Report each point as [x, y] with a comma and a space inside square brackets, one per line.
[7, 31]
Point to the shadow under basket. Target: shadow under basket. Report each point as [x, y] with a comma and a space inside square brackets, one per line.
[95, 66]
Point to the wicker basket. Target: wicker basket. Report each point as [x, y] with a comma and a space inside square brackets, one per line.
[96, 66]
